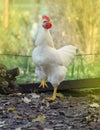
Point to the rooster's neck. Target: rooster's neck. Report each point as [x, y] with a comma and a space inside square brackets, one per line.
[44, 38]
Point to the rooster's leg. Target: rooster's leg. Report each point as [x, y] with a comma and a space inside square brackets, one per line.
[43, 84]
[54, 95]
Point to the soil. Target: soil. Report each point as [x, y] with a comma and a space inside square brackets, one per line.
[32, 112]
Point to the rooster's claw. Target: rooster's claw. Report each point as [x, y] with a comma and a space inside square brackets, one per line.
[43, 84]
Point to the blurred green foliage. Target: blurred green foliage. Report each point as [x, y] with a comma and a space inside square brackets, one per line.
[80, 68]
[74, 23]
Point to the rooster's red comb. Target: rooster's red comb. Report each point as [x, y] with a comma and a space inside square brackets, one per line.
[46, 17]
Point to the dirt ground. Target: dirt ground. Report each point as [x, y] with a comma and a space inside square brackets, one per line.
[31, 112]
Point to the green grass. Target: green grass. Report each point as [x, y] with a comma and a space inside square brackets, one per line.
[82, 67]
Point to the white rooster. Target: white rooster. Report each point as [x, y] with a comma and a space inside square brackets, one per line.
[51, 63]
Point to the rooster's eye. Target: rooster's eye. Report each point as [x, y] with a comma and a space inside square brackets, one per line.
[44, 21]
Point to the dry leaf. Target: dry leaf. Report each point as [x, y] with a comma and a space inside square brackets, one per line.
[60, 95]
[40, 118]
[26, 100]
[34, 95]
[18, 128]
[2, 123]
[18, 116]
[88, 118]
[95, 105]
[11, 109]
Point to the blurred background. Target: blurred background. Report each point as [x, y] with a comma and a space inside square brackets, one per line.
[74, 22]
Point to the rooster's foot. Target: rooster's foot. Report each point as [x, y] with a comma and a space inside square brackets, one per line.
[51, 99]
[43, 84]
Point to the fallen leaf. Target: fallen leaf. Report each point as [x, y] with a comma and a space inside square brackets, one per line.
[19, 116]
[95, 105]
[40, 118]
[18, 128]
[34, 95]
[59, 125]
[2, 123]
[46, 102]
[11, 109]
[88, 118]
[60, 95]
[26, 100]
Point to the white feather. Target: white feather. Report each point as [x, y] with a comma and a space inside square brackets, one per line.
[67, 53]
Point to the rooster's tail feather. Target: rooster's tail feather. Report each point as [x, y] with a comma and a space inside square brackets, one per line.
[67, 52]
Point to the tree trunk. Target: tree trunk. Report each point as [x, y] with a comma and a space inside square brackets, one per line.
[6, 13]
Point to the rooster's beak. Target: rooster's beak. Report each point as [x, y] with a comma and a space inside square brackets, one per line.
[49, 22]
